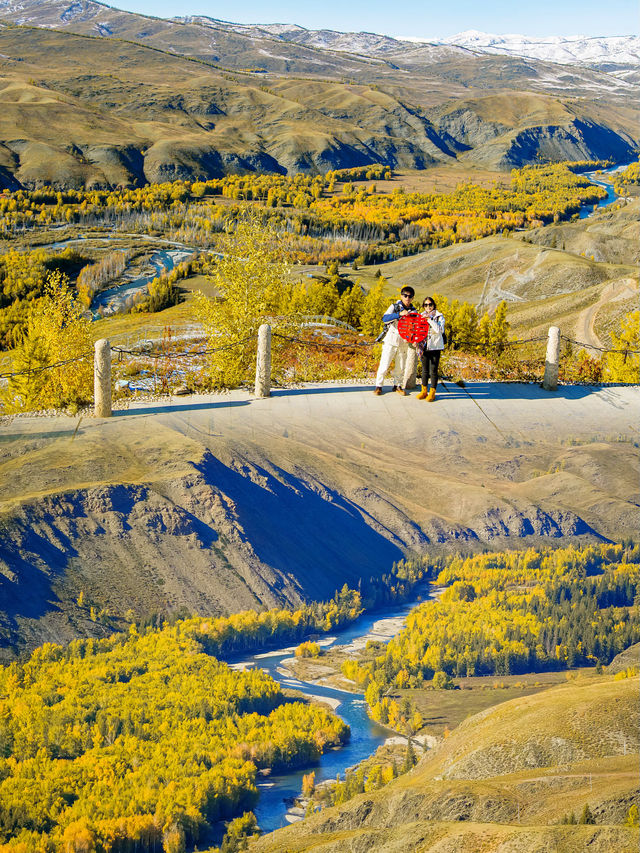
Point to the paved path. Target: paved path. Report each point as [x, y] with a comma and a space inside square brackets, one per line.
[331, 412]
[327, 412]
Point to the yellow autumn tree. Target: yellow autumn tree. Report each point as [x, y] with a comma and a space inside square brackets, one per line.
[374, 305]
[253, 279]
[52, 362]
[624, 364]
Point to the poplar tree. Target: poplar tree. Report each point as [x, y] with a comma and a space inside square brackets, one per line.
[57, 331]
[624, 365]
[253, 279]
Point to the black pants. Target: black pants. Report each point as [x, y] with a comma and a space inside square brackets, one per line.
[430, 362]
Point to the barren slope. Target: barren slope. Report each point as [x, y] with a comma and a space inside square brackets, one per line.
[154, 104]
[580, 275]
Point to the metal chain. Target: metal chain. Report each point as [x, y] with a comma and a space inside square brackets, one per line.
[152, 354]
[356, 345]
[323, 343]
[600, 349]
[46, 367]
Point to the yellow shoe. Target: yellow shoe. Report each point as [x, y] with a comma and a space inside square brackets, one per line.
[432, 396]
[423, 394]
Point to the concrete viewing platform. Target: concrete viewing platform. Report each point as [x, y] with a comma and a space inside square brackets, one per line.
[490, 409]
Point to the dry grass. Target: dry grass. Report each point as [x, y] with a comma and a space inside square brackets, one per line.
[512, 803]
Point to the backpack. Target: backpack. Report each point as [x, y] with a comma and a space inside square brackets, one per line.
[397, 307]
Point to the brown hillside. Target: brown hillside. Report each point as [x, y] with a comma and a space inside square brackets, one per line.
[503, 780]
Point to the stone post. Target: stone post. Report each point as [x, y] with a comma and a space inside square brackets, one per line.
[263, 362]
[102, 379]
[411, 368]
[550, 381]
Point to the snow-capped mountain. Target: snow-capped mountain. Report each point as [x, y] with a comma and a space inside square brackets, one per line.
[565, 50]
[603, 53]
[599, 52]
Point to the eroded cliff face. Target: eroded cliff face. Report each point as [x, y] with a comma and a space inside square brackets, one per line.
[217, 506]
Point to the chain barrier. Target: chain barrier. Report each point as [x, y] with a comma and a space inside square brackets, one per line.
[46, 367]
[330, 344]
[120, 351]
[355, 345]
[600, 349]
[151, 354]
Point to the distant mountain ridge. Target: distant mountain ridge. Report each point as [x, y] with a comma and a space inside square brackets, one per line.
[590, 51]
[201, 97]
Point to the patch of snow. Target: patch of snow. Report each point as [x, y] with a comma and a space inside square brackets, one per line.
[565, 50]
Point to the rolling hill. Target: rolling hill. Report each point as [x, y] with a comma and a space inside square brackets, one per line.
[95, 96]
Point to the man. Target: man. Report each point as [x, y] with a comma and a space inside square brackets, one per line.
[394, 347]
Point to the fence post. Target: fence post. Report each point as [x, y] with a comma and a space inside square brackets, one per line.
[550, 381]
[102, 379]
[410, 368]
[263, 362]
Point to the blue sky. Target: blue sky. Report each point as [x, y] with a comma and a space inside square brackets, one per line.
[418, 18]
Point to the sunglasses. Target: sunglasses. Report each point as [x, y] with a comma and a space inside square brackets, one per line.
[406, 295]
[427, 304]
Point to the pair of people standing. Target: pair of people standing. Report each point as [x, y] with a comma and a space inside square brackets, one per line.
[395, 347]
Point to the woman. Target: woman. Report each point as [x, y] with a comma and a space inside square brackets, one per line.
[430, 350]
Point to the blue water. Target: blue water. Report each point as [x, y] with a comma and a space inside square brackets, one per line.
[114, 298]
[589, 209]
[276, 792]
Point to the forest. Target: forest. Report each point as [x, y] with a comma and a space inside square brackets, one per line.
[322, 224]
[511, 612]
[138, 741]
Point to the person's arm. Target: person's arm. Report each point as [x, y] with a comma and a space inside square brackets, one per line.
[391, 314]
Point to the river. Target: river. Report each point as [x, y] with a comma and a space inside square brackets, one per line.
[596, 178]
[277, 791]
[114, 300]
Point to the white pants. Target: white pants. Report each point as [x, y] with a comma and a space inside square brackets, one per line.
[389, 353]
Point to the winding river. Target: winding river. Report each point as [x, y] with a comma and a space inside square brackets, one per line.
[596, 178]
[276, 792]
[114, 300]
